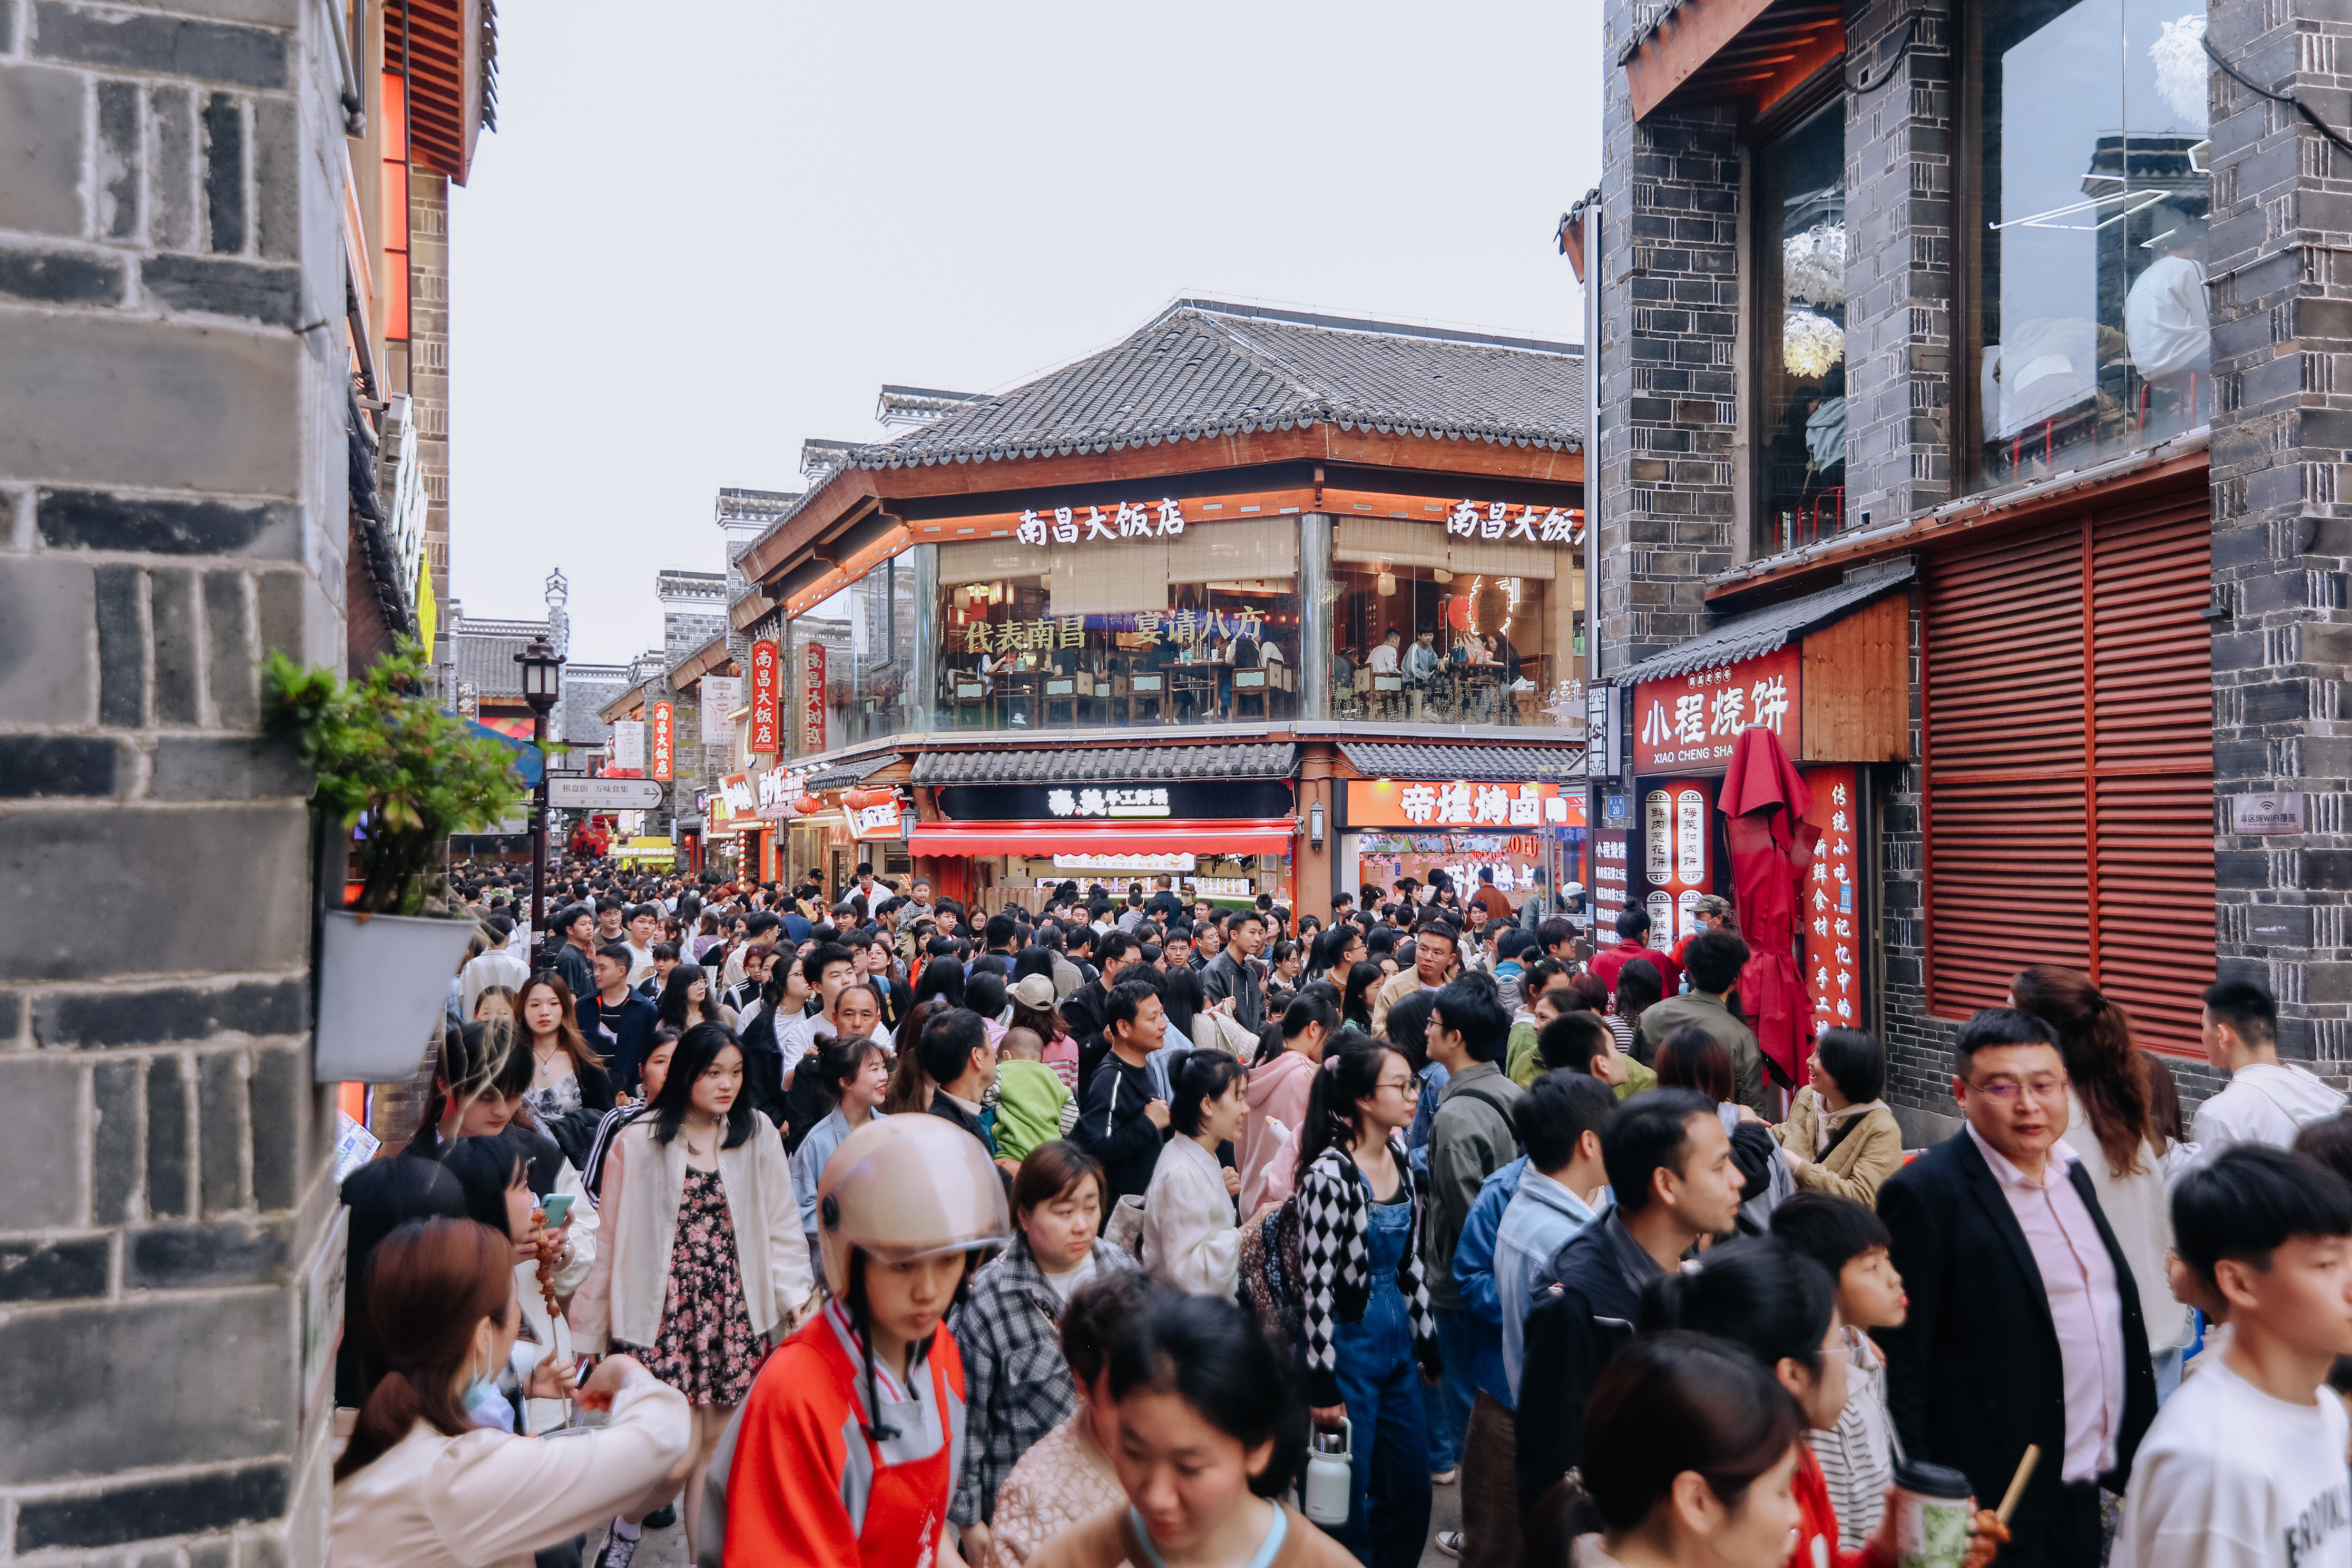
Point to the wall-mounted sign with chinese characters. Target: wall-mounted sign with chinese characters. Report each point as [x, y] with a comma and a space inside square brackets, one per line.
[1508, 808]
[776, 789]
[1182, 629]
[1174, 860]
[1830, 912]
[1677, 858]
[812, 697]
[1691, 720]
[1113, 801]
[767, 696]
[878, 820]
[735, 798]
[628, 747]
[1506, 521]
[1126, 520]
[721, 695]
[664, 735]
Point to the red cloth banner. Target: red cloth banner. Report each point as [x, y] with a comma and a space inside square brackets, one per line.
[767, 690]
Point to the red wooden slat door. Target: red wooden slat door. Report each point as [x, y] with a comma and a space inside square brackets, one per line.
[2069, 781]
[2152, 734]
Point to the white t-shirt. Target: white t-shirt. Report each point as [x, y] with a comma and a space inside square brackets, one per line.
[2231, 1477]
[1066, 1284]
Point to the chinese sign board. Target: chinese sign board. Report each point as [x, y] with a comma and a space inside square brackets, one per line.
[1829, 913]
[1469, 806]
[1691, 720]
[1076, 801]
[734, 798]
[1182, 628]
[664, 735]
[775, 790]
[1678, 858]
[721, 695]
[1612, 868]
[813, 696]
[1604, 729]
[767, 692]
[1174, 860]
[1505, 522]
[2266, 812]
[628, 747]
[1127, 520]
[878, 821]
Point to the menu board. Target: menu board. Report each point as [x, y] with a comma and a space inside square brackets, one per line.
[1677, 858]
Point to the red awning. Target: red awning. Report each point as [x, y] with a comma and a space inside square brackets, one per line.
[1239, 836]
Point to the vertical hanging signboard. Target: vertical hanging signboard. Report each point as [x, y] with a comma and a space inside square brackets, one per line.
[1830, 912]
[767, 675]
[664, 738]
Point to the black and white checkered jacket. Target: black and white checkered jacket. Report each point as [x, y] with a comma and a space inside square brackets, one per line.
[1335, 1244]
[1016, 1386]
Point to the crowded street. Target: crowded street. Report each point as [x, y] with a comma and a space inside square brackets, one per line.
[1592, 813]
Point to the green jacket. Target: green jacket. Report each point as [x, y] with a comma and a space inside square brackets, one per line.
[1708, 1012]
[1522, 1064]
[1029, 1100]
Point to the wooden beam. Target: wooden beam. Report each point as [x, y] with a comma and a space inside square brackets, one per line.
[1686, 39]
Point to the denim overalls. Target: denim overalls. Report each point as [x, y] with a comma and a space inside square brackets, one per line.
[1381, 1386]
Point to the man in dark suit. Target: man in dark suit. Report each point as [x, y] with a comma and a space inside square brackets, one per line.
[2024, 1323]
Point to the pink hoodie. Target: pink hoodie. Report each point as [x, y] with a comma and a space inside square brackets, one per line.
[1268, 1163]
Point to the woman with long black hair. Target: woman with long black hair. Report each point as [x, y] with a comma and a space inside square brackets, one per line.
[685, 999]
[1371, 1340]
[702, 1259]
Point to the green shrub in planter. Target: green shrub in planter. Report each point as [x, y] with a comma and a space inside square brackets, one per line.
[389, 760]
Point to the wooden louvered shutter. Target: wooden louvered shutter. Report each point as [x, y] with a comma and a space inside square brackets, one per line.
[2151, 803]
[2069, 764]
[2005, 840]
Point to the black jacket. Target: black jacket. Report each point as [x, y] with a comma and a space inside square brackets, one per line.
[763, 1066]
[578, 974]
[1587, 1300]
[1111, 1127]
[1084, 1013]
[621, 1035]
[1974, 1374]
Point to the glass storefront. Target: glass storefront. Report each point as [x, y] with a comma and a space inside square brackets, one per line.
[2087, 247]
[1198, 628]
[1800, 252]
[1431, 627]
[866, 633]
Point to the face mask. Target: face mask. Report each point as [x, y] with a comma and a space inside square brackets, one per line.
[486, 1406]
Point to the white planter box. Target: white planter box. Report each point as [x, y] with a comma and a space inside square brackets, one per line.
[383, 981]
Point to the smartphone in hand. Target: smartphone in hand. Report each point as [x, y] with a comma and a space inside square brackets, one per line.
[559, 1209]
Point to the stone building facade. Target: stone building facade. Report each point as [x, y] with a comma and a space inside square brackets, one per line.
[174, 464]
[1992, 485]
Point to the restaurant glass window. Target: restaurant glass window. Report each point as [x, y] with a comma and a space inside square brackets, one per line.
[868, 633]
[2087, 241]
[1800, 250]
[1483, 631]
[1197, 627]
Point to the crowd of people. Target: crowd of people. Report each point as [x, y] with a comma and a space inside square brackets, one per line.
[1137, 1228]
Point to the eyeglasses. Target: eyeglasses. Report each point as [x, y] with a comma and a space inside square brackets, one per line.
[1402, 1085]
[2004, 1091]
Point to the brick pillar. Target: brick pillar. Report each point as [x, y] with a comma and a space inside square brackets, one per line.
[2280, 263]
[1898, 318]
[1669, 312]
[173, 471]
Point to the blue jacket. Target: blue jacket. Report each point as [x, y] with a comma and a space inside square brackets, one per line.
[1474, 1276]
[1541, 1220]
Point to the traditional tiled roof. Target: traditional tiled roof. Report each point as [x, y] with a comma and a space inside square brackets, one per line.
[1108, 764]
[851, 773]
[1762, 631]
[1204, 368]
[1476, 764]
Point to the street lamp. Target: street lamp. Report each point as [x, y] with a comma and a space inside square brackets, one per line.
[543, 677]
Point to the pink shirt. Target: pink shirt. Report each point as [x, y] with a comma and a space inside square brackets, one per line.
[2086, 1306]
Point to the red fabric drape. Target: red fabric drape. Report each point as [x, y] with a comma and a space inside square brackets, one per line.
[1771, 850]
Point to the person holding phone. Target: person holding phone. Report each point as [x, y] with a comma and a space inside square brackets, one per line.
[496, 1181]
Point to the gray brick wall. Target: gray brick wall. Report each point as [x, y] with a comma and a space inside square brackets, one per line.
[172, 482]
[1898, 141]
[2281, 261]
[1670, 282]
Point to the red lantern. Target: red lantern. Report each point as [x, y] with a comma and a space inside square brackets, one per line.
[859, 799]
[1461, 613]
[808, 805]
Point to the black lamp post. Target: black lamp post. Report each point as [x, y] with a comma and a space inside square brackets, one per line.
[543, 677]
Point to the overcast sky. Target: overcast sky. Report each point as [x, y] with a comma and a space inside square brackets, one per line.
[688, 246]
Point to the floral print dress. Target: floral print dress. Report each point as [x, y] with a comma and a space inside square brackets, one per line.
[706, 1350]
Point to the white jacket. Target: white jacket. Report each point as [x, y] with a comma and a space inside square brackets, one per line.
[622, 1297]
[488, 1498]
[1189, 1235]
[2139, 1211]
[2266, 1102]
[545, 1415]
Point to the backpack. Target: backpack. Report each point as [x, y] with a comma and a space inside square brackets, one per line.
[1274, 1278]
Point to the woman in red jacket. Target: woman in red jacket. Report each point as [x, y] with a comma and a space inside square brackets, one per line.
[843, 1456]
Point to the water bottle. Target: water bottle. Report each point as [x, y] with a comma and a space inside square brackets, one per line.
[1331, 1485]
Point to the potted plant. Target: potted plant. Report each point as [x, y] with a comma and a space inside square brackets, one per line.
[397, 775]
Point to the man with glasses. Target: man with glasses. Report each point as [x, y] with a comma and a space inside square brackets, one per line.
[2024, 1323]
